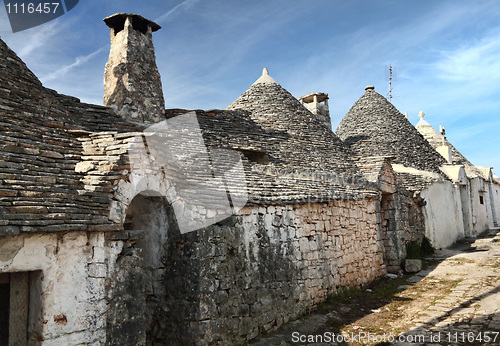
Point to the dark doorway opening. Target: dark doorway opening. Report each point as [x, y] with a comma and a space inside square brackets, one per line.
[20, 307]
[4, 308]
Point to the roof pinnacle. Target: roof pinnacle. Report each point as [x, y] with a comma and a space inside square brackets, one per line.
[265, 78]
[421, 115]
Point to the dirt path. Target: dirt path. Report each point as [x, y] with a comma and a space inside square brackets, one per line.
[455, 301]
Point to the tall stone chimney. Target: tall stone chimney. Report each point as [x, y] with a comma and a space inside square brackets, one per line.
[132, 84]
[317, 104]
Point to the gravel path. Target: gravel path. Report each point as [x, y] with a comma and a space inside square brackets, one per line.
[454, 302]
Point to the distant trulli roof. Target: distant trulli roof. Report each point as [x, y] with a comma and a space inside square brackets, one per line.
[308, 143]
[435, 139]
[374, 127]
[486, 172]
[496, 179]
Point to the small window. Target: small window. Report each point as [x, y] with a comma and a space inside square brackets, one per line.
[481, 199]
[119, 27]
[256, 156]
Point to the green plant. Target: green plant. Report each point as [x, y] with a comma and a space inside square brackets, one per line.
[344, 295]
[413, 250]
[418, 250]
[427, 248]
[387, 289]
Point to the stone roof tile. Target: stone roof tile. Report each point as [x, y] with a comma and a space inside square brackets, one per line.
[308, 144]
[374, 127]
[39, 149]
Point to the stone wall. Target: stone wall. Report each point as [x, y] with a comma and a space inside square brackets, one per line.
[479, 211]
[489, 200]
[253, 272]
[400, 211]
[127, 314]
[402, 222]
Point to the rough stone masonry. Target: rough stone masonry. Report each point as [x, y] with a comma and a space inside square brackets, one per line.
[103, 257]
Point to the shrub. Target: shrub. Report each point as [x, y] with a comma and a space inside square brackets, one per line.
[416, 250]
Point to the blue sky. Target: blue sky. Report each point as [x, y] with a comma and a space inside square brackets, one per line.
[446, 55]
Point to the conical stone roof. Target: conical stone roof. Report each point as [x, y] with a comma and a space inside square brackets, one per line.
[436, 140]
[40, 146]
[307, 143]
[374, 127]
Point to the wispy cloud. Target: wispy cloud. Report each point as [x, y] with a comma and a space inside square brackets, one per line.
[475, 62]
[80, 60]
[27, 42]
[186, 4]
[219, 50]
[39, 38]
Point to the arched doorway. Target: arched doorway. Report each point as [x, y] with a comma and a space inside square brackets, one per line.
[137, 289]
[153, 217]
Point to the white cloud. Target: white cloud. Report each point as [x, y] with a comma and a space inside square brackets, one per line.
[32, 41]
[80, 60]
[168, 15]
[474, 62]
[36, 38]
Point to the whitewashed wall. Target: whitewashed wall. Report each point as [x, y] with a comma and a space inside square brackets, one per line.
[479, 211]
[72, 284]
[496, 199]
[443, 214]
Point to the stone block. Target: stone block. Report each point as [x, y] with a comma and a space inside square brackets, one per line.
[9, 230]
[413, 265]
[97, 270]
[99, 254]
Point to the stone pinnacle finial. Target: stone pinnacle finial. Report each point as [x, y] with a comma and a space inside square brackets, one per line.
[369, 87]
[421, 115]
[265, 78]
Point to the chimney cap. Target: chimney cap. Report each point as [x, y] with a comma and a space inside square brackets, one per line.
[369, 87]
[118, 19]
[310, 97]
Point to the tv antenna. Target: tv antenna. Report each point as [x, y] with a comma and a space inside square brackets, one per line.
[390, 75]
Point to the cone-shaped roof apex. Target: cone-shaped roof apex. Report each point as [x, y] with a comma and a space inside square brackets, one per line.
[265, 78]
[436, 140]
[426, 129]
[373, 126]
[274, 108]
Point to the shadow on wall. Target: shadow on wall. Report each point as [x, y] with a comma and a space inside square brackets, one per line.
[150, 293]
